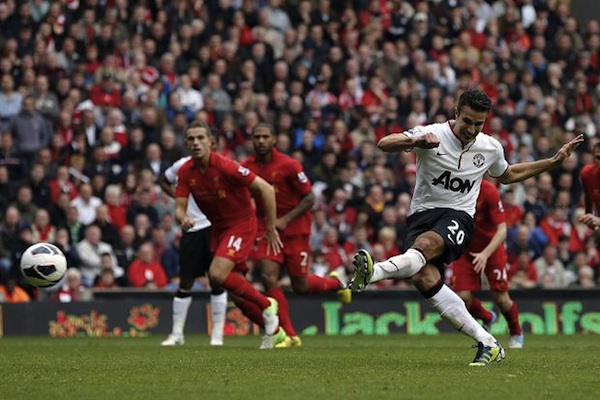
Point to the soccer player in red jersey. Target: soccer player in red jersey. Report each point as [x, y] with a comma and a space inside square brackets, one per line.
[487, 254]
[293, 192]
[221, 188]
[590, 178]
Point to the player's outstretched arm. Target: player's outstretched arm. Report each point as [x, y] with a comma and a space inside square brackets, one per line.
[267, 193]
[522, 171]
[401, 141]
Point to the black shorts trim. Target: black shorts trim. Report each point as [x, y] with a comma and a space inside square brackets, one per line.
[454, 226]
[194, 254]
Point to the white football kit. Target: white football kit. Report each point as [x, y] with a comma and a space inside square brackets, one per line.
[200, 220]
[449, 176]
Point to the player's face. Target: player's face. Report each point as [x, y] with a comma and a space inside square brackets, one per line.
[198, 142]
[468, 123]
[263, 141]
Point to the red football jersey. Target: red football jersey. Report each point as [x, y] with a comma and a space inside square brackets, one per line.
[590, 177]
[290, 183]
[221, 191]
[488, 215]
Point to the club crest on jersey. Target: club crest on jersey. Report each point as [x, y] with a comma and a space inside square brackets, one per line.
[243, 170]
[478, 160]
[302, 177]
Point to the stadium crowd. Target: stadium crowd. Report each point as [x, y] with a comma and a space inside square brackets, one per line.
[95, 95]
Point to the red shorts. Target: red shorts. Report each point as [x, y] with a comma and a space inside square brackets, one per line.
[464, 277]
[294, 255]
[234, 243]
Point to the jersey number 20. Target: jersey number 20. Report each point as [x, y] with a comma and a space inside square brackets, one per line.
[456, 236]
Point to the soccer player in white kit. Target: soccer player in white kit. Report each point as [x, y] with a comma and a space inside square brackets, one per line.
[452, 158]
[194, 260]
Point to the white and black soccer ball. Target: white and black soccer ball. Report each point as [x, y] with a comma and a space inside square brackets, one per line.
[43, 265]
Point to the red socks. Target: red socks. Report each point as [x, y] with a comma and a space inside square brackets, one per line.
[251, 311]
[478, 311]
[236, 284]
[512, 318]
[284, 310]
[317, 284]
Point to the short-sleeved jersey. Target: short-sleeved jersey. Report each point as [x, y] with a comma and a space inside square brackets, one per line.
[290, 183]
[490, 213]
[200, 220]
[221, 191]
[590, 177]
[449, 176]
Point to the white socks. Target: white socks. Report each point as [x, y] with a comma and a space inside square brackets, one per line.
[218, 305]
[452, 308]
[181, 305]
[402, 266]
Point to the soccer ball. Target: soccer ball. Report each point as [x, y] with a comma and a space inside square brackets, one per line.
[43, 265]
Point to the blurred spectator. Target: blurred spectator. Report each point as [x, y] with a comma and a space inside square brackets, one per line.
[10, 100]
[86, 204]
[91, 249]
[144, 271]
[62, 183]
[24, 203]
[72, 288]
[318, 228]
[73, 224]
[30, 131]
[143, 205]
[108, 231]
[551, 271]
[38, 183]
[117, 212]
[10, 292]
[106, 280]
[7, 189]
[46, 101]
[63, 242]
[125, 249]
[42, 229]
[9, 157]
[522, 273]
[9, 228]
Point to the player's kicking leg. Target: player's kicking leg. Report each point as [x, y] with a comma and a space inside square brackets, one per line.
[426, 278]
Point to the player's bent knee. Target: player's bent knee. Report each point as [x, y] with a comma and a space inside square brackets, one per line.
[430, 244]
[218, 276]
[426, 278]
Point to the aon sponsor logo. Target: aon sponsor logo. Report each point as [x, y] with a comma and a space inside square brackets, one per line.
[454, 184]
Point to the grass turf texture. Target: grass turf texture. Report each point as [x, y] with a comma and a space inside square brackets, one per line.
[356, 367]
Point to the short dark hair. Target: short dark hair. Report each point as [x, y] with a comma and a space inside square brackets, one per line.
[197, 124]
[476, 99]
[264, 125]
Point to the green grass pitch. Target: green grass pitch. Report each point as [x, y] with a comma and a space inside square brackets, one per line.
[330, 368]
